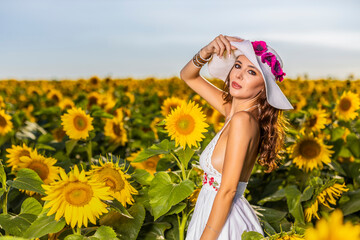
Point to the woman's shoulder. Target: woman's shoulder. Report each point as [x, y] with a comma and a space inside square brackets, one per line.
[244, 120]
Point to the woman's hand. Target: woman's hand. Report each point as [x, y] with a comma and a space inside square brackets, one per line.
[219, 45]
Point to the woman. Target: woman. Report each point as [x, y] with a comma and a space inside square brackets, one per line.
[252, 104]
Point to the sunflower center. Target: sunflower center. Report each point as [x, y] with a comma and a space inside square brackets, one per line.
[345, 104]
[309, 149]
[2, 121]
[112, 178]
[150, 164]
[78, 193]
[80, 123]
[116, 129]
[24, 152]
[40, 168]
[312, 121]
[185, 124]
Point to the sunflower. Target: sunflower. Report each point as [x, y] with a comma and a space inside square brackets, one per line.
[347, 105]
[114, 128]
[77, 123]
[54, 95]
[193, 197]
[66, 103]
[171, 103]
[93, 98]
[77, 198]
[149, 164]
[5, 122]
[116, 179]
[131, 97]
[325, 195]
[218, 120]
[14, 154]
[333, 228]
[119, 113]
[43, 166]
[315, 121]
[309, 152]
[59, 133]
[153, 126]
[185, 124]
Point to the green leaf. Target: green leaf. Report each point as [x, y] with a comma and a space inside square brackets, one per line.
[127, 229]
[69, 145]
[353, 205]
[176, 209]
[293, 196]
[117, 206]
[44, 146]
[2, 176]
[306, 195]
[154, 230]
[101, 113]
[337, 133]
[11, 238]
[269, 214]
[278, 195]
[142, 176]
[353, 144]
[185, 155]
[251, 235]
[75, 237]
[16, 224]
[105, 232]
[44, 225]
[163, 147]
[28, 179]
[164, 194]
[31, 206]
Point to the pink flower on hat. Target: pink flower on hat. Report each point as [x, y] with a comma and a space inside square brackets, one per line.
[277, 71]
[268, 58]
[259, 47]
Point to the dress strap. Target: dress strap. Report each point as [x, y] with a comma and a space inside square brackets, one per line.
[256, 105]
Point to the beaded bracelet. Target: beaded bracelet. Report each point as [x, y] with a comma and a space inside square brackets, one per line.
[199, 61]
[212, 228]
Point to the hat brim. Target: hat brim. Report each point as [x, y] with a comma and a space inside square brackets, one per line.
[220, 68]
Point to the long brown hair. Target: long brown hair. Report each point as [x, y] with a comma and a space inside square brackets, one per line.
[273, 125]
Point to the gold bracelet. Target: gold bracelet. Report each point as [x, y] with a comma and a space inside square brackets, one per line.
[212, 228]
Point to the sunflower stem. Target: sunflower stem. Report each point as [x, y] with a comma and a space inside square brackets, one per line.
[89, 151]
[179, 165]
[5, 200]
[182, 226]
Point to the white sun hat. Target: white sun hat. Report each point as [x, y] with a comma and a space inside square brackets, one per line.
[264, 58]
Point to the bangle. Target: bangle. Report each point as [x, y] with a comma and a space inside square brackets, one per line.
[199, 61]
[196, 63]
[212, 228]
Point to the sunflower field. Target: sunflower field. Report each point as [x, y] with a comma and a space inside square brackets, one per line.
[119, 159]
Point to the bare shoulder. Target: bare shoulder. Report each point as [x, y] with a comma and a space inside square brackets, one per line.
[244, 122]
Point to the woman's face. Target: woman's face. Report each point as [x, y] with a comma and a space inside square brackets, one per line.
[245, 74]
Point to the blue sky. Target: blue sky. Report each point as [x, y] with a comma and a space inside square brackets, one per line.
[81, 38]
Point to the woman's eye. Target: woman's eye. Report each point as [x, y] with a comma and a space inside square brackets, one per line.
[251, 71]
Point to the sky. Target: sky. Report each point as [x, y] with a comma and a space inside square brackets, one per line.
[71, 39]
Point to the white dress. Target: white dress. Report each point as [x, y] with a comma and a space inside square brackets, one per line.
[241, 216]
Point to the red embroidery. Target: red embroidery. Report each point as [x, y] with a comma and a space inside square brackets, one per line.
[211, 182]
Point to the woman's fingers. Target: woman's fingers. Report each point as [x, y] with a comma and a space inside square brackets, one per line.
[235, 39]
[226, 43]
[216, 46]
[221, 47]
